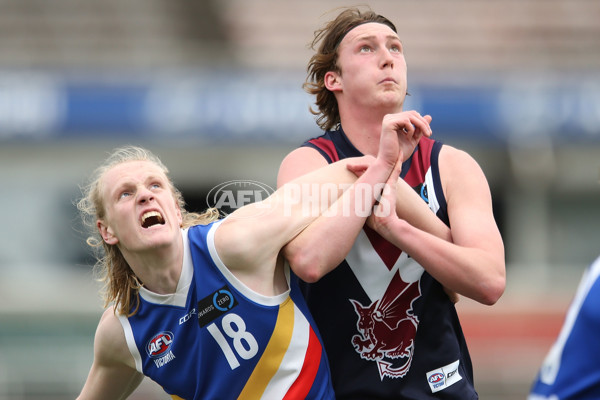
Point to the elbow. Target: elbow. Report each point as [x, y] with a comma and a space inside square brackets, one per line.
[310, 276]
[493, 290]
[493, 283]
[304, 264]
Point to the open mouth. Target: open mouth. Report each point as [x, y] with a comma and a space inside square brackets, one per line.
[152, 218]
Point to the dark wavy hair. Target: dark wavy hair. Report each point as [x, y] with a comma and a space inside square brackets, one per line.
[325, 43]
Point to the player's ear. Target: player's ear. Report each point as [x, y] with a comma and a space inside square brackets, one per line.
[107, 233]
[333, 81]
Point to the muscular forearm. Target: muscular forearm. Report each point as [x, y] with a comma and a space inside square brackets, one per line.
[279, 219]
[410, 207]
[306, 253]
[338, 227]
[474, 272]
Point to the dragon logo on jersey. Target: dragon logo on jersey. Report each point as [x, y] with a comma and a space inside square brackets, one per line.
[387, 328]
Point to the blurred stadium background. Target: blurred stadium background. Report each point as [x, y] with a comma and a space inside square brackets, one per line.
[214, 87]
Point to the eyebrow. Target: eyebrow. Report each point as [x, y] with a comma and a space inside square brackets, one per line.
[371, 37]
[118, 188]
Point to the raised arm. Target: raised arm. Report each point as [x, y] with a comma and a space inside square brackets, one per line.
[473, 265]
[253, 236]
[339, 226]
[113, 374]
[305, 252]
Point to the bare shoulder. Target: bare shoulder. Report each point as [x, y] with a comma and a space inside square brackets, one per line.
[113, 374]
[299, 162]
[457, 166]
[110, 343]
[110, 326]
[456, 158]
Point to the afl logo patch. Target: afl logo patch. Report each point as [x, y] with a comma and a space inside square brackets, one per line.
[444, 377]
[436, 378]
[160, 344]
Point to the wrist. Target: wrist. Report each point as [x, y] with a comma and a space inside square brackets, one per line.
[382, 166]
[393, 230]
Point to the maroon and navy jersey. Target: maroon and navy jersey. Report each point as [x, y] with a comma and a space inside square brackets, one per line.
[389, 329]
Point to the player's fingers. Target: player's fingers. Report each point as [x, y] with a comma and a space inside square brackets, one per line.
[357, 169]
[421, 123]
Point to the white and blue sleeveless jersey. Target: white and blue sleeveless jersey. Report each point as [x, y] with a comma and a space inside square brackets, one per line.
[217, 339]
[571, 369]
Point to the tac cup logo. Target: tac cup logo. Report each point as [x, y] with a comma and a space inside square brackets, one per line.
[229, 196]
